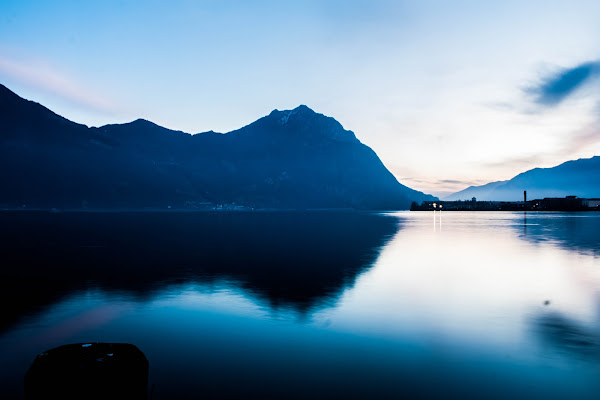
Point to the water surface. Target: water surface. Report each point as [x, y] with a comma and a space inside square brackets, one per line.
[313, 305]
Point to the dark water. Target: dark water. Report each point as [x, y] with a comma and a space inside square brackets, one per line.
[313, 305]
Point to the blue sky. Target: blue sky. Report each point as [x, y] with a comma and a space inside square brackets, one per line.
[448, 94]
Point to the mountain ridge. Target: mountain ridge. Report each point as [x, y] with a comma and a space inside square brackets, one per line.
[579, 177]
[287, 159]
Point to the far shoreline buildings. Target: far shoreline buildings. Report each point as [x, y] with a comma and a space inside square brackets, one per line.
[569, 203]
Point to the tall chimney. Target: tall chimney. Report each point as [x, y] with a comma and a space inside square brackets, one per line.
[524, 196]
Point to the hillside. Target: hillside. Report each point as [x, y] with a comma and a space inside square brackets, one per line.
[289, 159]
[573, 178]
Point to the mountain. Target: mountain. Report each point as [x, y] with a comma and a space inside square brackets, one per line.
[480, 192]
[573, 178]
[288, 159]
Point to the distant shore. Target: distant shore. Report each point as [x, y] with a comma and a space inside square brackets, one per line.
[569, 203]
[181, 210]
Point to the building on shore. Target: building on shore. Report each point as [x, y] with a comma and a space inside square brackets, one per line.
[569, 203]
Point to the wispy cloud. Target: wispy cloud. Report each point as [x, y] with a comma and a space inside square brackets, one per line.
[584, 138]
[555, 88]
[581, 135]
[574, 145]
[517, 163]
[452, 181]
[42, 77]
[440, 187]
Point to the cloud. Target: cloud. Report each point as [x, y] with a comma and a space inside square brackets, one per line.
[443, 183]
[579, 143]
[517, 163]
[440, 187]
[452, 181]
[42, 77]
[555, 88]
[583, 138]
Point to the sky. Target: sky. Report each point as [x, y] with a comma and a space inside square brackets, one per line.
[449, 94]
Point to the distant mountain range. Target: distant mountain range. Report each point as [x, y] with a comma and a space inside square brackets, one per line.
[289, 159]
[573, 178]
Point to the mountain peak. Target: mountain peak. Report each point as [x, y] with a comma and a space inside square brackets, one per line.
[303, 109]
[142, 122]
[284, 115]
[302, 121]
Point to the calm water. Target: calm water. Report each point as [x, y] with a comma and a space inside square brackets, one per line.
[313, 305]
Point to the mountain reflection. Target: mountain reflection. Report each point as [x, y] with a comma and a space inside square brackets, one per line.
[292, 259]
[571, 231]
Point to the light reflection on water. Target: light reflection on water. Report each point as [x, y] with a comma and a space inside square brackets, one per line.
[494, 305]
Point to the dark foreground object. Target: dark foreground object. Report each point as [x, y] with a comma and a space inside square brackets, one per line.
[88, 371]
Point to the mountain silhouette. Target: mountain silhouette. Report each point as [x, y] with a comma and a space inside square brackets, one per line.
[289, 159]
[573, 178]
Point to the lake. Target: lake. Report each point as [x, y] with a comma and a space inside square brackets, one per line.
[313, 304]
